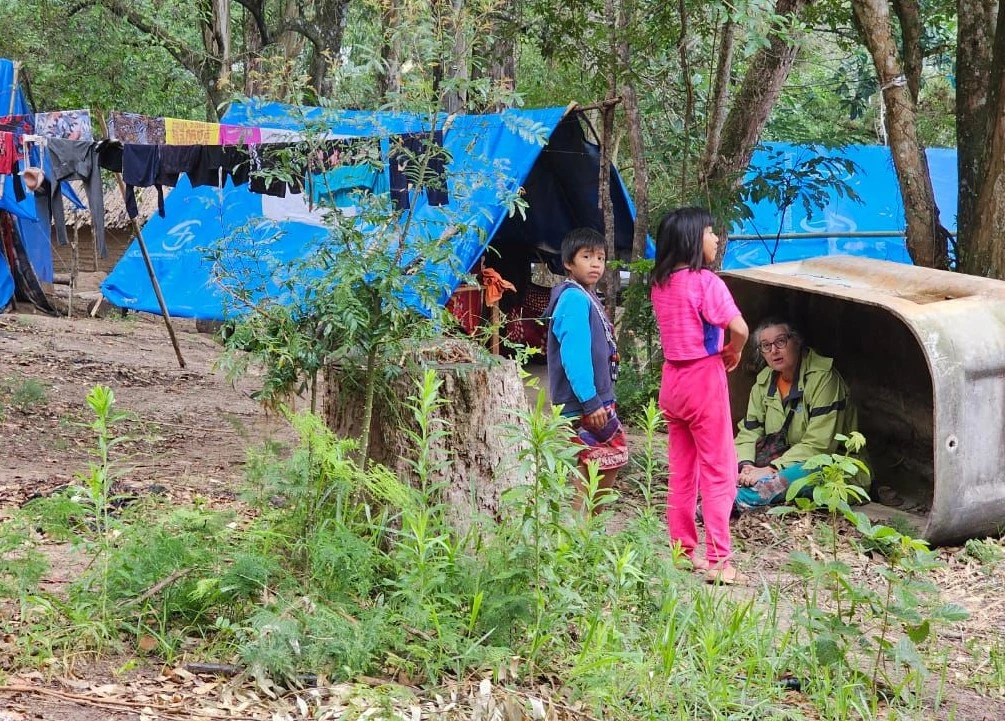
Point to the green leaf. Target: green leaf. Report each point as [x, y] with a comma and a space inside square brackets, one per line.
[919, 633]
[827, 651]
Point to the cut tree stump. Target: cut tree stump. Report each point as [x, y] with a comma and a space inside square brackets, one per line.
[483, 398]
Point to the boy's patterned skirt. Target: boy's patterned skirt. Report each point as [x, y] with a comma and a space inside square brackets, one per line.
[607, 447]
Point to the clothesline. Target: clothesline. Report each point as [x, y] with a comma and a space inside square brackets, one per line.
[332, 169]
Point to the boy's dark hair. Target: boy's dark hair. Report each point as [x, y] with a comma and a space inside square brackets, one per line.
[575, 240]
[679, 240]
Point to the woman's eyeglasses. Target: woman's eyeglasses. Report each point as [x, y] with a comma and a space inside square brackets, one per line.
[778, 344]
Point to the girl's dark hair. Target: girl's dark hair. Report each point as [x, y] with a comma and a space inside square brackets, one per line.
[575, 240]
[679, 240]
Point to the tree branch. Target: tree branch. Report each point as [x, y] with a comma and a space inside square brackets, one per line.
[300, 27]
[191, 61]
[257, 13]
[909, 15]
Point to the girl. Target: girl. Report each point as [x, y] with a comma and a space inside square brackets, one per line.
[692, 307]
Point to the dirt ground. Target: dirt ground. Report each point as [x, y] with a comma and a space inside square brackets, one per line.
[192, 427]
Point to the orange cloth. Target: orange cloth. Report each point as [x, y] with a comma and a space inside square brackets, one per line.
[784, 387]
[495, 285]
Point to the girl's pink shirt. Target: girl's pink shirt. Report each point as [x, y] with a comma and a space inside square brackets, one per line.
[692, 308]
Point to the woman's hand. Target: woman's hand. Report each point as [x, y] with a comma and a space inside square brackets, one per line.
[750, 475]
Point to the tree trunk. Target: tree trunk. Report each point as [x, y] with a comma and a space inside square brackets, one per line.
[455, 100]
[986, 242]
[927, 240]
[389, 79]
[215, 69]
[478, 457]
[720, 93]
[975, 56]
[254, 43]
[911, 28]
[330, 18]
[758, 94]
[685, 71]
[497, 49]
[636, 136]
[612, 277]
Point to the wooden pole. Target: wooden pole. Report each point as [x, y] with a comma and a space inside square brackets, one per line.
[153, 276]
[146, 259]
[13, 88]
[74, 257]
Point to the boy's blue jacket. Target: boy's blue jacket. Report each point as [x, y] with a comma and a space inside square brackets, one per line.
[579, 358]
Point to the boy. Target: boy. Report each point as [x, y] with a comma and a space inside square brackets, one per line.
[583, 358]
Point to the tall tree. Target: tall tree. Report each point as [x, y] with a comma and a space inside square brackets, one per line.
[980, 128]
[899, 81]
[762, 83]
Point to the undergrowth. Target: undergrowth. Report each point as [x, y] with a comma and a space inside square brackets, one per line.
[340, 571]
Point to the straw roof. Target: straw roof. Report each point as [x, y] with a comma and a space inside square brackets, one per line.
[115, 207]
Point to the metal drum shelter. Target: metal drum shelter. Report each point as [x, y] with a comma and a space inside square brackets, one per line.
[923, 352]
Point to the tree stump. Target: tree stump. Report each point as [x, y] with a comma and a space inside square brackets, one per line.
[483, 399]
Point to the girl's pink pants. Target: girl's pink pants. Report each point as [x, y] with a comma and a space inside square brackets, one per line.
[694, 398]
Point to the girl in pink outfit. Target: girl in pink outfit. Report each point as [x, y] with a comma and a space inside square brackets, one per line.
[693, 307]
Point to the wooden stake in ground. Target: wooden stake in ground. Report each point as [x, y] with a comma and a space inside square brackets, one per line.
[74, 258]
[153, 276]
[146, 259]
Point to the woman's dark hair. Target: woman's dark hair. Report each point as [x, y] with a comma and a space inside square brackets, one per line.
[575, 240]
[680, 240]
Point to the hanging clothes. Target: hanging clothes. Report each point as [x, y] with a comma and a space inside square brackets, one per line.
[76, 160]
[236, 164]
[140, 168]
[175, 160]
[209, 168]
[264, 160]
[9, 165]
[68, 124]
[18, 124]
[239, 135]
[135, 128]
[408, 152]
[190, 132]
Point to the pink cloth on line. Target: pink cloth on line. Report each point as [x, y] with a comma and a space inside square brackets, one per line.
[239, 135]
[692, 307]
[694, 398]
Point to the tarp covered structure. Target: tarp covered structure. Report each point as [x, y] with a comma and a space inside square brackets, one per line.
[882, 209]
[34, 237]
[491, 155]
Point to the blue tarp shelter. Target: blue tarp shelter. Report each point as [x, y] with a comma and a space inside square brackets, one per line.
[34, 236]
[882, 209]
[490, 154]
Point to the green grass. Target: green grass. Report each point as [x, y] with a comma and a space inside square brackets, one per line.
[340, 571]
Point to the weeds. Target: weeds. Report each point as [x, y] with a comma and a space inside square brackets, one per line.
[23, 393]
[856, 635]
[343, 570]
[987, 552]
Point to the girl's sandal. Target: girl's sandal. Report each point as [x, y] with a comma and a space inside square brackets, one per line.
[699, 565]
[726, 576]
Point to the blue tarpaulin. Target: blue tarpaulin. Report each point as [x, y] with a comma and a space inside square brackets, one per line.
[491, 155]
[882, 210]
[34, 235]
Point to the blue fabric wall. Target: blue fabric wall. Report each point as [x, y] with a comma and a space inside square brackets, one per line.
[882, 209]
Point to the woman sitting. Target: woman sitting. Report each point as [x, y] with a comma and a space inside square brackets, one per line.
[799, 402]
